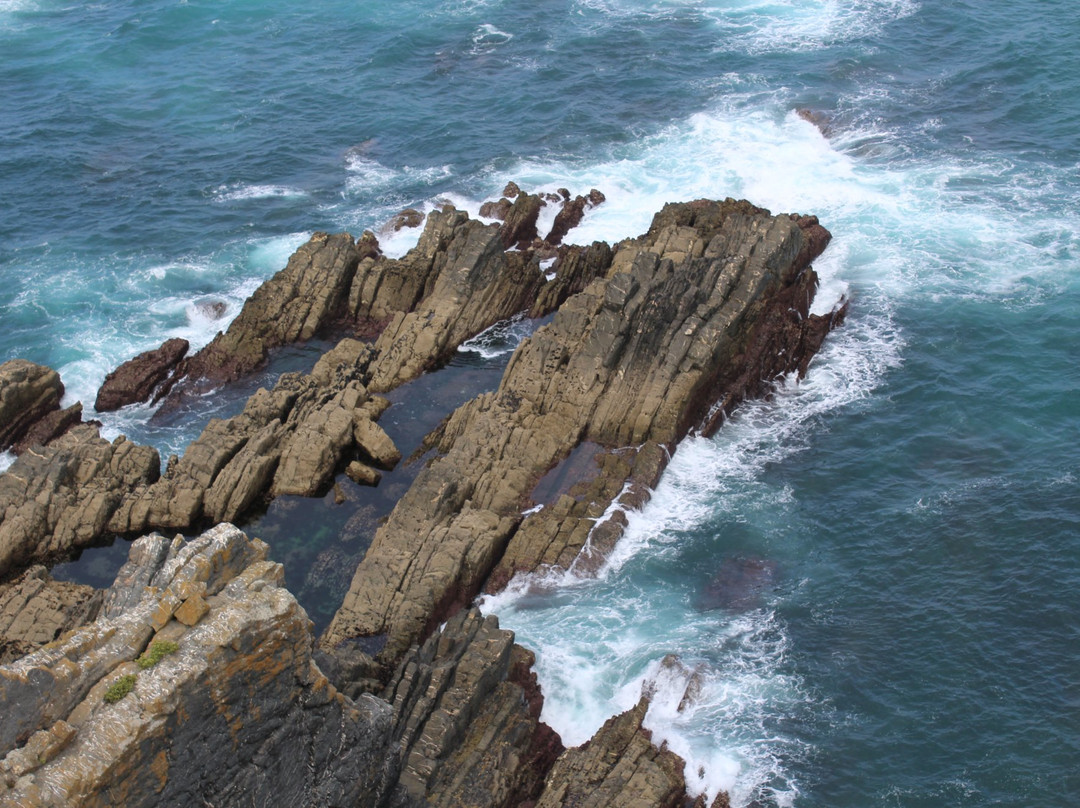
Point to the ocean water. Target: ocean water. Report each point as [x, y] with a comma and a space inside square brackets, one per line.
[903, 525]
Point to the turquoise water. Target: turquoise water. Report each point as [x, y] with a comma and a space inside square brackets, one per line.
[916, 497]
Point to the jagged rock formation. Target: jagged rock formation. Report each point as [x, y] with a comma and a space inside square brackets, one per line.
[618, 766]
[662, 334]
[466, 715]
[237, 713]
[30, 411]
[137, 378]
[684, 318]
[289, 440]
[34, 610]
[62, 497]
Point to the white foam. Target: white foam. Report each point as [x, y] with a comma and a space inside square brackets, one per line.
[240, 191]
[487, 37]
[767, 26]
[501, 338]
[6, 459]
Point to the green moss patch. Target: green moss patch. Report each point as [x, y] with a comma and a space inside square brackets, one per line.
[155, 653]
[120, 688]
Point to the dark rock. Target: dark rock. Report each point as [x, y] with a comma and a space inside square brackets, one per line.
[571, 214]
[496, 210]
[211, 309]
[137, 378]
[410, 217]
[470, 735]
[519, 228]
[739, 585]
[49, 428]
[511, 190]
[822, 120]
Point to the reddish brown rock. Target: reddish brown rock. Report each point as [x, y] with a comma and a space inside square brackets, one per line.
[136, 379]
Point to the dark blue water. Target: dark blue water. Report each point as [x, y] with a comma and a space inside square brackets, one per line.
[915, 499]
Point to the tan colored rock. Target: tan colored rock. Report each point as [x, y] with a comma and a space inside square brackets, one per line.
[34, 610]
[471, 284]
[289, 440]
[374, 442]
[700, 309]
[617, 766]
[297, 303]
[192, 610]
[28, 392]
[61, 498]
[362, 474]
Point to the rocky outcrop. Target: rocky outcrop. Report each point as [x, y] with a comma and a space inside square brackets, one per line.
[685, 319]
[570, 215]
[136, 379]
[470, 735]
[618, 766]
[61, 498]
[289, 440]
[28, 394]
[299, 302]
[474, 284]
[224, 705]
[34, 610]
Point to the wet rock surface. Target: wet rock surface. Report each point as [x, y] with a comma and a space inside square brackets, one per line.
[135, 380]
[469, 734]
[618, 766]
[702, 309]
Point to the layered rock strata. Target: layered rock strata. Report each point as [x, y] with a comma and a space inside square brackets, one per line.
[660, 335]
[618, 766]
[685, 317]
[289, 440]
[61, 498]
[30, 413]
[232, 711]
[466, 715]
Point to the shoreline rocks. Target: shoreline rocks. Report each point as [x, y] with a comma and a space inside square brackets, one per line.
[703, 309]
[234, 711]
[423, 700]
